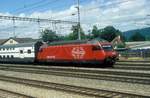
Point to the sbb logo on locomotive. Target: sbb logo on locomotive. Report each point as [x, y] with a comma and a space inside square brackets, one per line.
[78, 52]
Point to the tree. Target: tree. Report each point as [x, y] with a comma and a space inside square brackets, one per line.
[109, 33]
[74, 34]
[137, 37]
[95, 32]
[148, 38]
[49, 36]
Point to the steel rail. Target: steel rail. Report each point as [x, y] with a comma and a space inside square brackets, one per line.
[6, 93]
[97, 93]
[111, 76]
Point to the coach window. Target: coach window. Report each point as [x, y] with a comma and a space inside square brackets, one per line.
[12, 56]
[29, 51]
[21, 51]
[8, 56]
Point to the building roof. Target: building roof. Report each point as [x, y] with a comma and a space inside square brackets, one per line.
[19, 40]
[18, 45]
[2, 41]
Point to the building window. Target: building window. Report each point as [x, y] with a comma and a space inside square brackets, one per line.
[0, 57]
[21, 51]
[29, 51]
[11, 41]
[4, 56]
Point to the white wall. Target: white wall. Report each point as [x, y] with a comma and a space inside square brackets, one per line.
[16, 52]
[10, 41]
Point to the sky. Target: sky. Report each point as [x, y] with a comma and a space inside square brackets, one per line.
[122, 14]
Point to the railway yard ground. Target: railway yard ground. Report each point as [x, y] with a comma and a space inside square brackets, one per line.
[128, 79]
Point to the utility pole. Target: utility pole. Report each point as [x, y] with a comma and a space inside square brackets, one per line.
[14, 28]
[38, 21]
[79, 31]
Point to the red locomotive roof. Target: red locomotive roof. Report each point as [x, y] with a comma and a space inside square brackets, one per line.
[93, 41]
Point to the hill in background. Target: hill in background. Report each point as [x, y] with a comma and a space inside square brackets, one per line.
[144, 31]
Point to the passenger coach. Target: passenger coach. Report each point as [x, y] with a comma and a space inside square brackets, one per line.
[22, 53]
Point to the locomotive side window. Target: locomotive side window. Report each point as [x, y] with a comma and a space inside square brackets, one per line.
[21, 51]
[29, 51]
[95, 48]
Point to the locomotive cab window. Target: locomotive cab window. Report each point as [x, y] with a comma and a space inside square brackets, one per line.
[29, 51]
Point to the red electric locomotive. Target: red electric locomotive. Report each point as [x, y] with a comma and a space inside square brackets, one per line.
[93, 51]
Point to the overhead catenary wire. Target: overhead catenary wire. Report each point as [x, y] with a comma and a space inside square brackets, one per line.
[28, 6]
[105, 5]
[37, 6]
[90, 9]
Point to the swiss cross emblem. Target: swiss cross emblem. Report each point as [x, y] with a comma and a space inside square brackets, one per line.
[78, 52]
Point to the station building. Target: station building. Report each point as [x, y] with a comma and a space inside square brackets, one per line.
[12, 40]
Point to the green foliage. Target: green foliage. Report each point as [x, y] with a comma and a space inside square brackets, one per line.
[137, 37]
[108, 33]
[74, 34]
[122, 45]
[49, 36]
[95, 32]
[148, 38]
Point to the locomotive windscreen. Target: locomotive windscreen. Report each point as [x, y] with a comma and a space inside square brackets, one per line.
[107, 47]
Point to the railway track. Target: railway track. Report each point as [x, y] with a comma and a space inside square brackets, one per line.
[133, 65]
[139, 61]
[10, 94]
[100, 74]
[97, 93]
